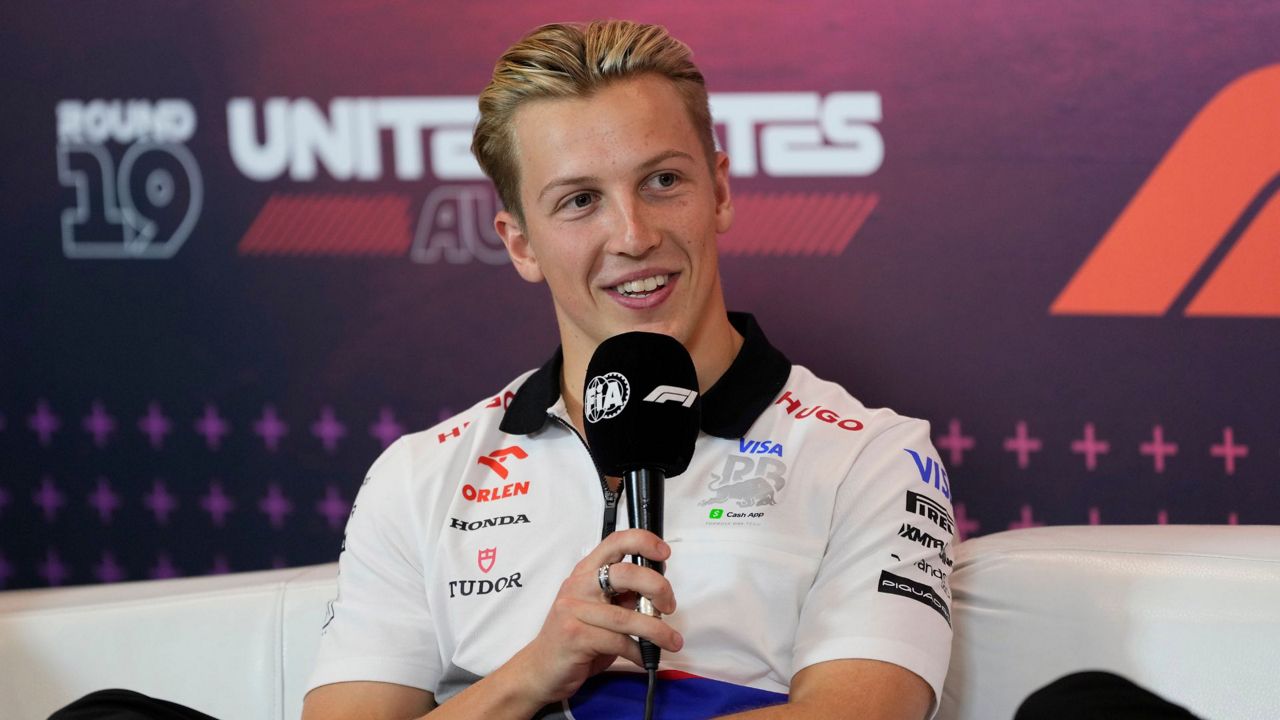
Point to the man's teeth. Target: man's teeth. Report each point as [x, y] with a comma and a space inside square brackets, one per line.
[644, 286]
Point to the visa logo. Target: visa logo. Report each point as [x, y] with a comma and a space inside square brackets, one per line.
[759, 447]
[932, 473]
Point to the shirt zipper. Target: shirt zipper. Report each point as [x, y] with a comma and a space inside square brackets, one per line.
[610, 497]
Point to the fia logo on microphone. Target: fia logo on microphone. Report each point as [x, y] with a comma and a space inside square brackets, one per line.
[606, 396]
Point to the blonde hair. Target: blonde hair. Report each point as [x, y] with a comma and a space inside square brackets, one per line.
[565, 60]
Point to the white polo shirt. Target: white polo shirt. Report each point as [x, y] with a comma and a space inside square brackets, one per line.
[807, 528]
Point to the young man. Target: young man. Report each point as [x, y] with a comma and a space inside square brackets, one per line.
[806, 545]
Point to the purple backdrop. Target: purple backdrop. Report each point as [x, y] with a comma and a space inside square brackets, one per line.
[244, 250]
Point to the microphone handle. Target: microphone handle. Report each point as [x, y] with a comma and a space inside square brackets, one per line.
[644, 510]
[644, 505]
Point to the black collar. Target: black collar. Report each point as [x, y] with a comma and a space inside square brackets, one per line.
[751, 383]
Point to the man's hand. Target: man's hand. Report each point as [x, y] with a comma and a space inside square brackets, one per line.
[582, 635]
[584, 632]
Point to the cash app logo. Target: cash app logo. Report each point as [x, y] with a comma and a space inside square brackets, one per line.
[716, 514]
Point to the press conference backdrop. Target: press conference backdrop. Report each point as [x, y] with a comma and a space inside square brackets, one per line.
[245, 248]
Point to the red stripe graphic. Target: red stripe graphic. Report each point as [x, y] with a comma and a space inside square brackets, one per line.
[330, 225]
[765, 224]
[797, 224]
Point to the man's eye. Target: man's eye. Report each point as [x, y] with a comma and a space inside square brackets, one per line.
[580, 200]
[665, 180]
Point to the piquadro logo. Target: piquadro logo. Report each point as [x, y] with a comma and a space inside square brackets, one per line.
[1200, 235]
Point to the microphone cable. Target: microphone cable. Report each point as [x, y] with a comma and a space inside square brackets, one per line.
[649, 654]
[648, 695]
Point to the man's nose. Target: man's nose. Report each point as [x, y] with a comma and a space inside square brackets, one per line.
[635, 232]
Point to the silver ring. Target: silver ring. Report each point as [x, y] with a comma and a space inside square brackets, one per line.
[602, 577]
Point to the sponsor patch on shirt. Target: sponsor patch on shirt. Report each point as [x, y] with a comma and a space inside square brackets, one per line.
[921, 593]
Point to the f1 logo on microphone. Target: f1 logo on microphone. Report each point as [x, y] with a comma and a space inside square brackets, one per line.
[671, 393]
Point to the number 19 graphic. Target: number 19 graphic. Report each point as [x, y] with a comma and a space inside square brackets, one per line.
[144, 208]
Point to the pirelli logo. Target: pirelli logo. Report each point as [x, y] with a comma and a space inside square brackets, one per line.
[930, 510]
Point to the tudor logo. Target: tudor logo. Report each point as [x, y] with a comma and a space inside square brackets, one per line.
[486, 558]
[606, 396]
[671, 393]
[483, 587]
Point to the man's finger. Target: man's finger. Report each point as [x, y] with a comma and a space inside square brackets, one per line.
[626, 542]
[628, 577]
[624, 621]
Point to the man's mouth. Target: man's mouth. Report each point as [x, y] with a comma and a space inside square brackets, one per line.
[641, 287]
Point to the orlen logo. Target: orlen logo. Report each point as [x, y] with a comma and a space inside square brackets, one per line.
[1200, 235]
[606, 396]
[496, 460]
[795, 409]
[139, 203]
[474, 494]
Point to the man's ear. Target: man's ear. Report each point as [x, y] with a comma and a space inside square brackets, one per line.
[724, 199]
[517, 244]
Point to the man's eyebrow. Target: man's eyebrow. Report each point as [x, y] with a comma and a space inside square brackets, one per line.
[663, 157]
[561, 182]
[649, 164]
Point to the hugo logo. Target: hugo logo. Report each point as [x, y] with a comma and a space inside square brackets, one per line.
[795, 408]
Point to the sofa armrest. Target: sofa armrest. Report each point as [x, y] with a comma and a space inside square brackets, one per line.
[1190, 612]
[233, 646]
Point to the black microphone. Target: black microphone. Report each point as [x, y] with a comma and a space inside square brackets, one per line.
[642, 411]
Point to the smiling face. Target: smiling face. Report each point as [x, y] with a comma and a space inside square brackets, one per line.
[621, 213]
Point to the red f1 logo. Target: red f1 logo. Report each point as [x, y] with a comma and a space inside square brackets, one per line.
[486, 558]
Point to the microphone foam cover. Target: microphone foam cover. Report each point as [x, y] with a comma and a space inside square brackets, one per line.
[640, 405]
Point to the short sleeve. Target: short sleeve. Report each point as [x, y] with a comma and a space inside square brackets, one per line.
[380, 626]
[881, 589]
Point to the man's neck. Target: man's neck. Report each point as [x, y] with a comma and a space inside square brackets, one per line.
[712, 349]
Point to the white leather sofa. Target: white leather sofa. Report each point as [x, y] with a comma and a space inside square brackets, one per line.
[1192, 613]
